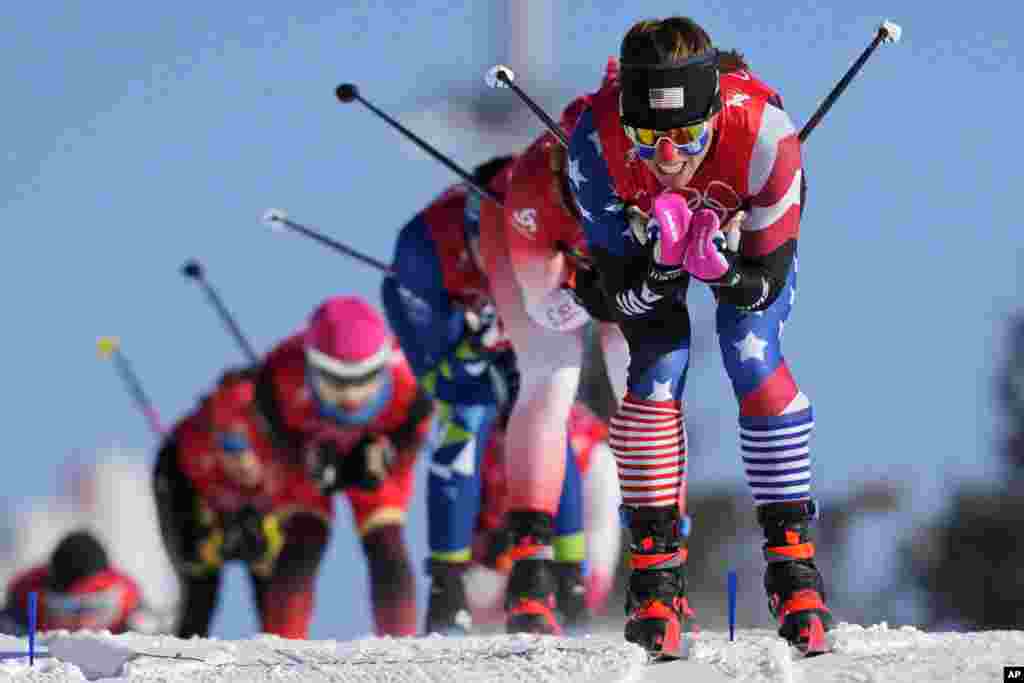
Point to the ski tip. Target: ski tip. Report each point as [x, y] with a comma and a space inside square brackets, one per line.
[654, 658]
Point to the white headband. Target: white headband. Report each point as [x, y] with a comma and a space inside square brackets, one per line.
[322, 361]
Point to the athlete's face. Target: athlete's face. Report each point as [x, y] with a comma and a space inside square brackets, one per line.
[347, 396]
[245, 468]
[673, 168]
[238, 459]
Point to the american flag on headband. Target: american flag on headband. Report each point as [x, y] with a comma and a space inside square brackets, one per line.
[666, 98]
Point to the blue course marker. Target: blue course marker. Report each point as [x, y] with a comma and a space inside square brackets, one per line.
[732, 605]
[33, 605]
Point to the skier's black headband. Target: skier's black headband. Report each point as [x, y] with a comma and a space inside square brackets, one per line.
[666, 96]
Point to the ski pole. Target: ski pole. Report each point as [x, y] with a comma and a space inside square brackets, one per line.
[110, 347]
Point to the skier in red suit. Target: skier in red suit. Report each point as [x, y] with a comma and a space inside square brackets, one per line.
[596, 520]
[77, 589]
[535, 257]
[332, 408]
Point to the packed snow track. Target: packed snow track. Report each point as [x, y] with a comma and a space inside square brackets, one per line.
[861, 655]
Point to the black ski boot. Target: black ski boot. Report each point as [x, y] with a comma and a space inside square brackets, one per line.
[447, 610]
[572, 597]
[796, 591]
[656, 606]
[530, 597]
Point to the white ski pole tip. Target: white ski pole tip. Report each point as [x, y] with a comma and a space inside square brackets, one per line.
[274, 218]
[892, 31]
[492, 79]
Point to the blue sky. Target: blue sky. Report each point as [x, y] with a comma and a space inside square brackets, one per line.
[139, 135]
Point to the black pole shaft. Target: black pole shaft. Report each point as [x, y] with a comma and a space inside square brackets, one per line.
[131, 380]
[337, 246]
[841, 86]
[429, 149]
[228, 320]
[195, 271]
[555, 129]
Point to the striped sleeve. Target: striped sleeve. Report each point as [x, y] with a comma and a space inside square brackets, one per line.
[773, 182]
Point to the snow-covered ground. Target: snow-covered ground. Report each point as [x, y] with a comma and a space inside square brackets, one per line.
[861, 655]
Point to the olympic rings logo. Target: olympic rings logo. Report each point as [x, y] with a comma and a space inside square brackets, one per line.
[717, 196]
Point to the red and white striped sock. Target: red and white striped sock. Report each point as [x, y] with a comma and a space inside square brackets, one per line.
[649, 442]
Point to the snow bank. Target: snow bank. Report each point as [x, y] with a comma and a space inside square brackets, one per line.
[867, 655]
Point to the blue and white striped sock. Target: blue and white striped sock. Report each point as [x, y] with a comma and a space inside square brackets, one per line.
[776, 456]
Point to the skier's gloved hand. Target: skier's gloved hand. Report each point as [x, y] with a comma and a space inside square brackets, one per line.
[665, 235]
[638, 300]
[586, 290]
[712, 251]
[254, 537]
[671, 233]
[206, 556]
[364, 466]
[370, 462]
[659, 283]
[484, 332]
[202, 540]
[324, 465]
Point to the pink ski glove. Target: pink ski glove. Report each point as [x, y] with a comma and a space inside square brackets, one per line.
[705, 255]
[674, 220]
